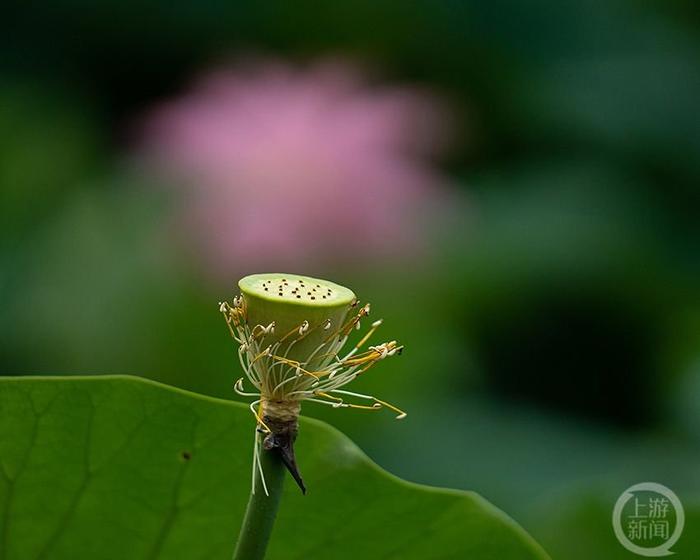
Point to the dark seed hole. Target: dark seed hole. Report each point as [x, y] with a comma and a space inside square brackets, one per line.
[186, 455]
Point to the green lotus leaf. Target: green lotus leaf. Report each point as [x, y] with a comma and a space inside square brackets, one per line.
[119, 467]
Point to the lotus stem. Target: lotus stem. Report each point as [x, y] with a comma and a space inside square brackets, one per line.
[261, 512]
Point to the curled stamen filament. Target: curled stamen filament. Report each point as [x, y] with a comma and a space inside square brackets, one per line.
[238, 387]
[401, 413]
[257, 415]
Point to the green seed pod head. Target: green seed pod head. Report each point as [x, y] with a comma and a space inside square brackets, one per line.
[290, 300]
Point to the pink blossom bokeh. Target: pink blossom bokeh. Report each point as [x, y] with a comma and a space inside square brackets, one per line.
[283, 166]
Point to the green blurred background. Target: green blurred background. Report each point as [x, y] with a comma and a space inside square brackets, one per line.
[550, 312]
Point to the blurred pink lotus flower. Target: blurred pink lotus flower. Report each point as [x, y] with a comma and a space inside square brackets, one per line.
[285, 166]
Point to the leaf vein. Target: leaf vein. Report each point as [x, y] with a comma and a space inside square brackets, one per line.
[174, 508]
[75, 501]
[11, 482]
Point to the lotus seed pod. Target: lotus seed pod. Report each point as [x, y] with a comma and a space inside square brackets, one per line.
[305, 311]
[291, 330]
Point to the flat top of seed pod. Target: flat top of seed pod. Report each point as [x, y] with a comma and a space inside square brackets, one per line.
[295, 289]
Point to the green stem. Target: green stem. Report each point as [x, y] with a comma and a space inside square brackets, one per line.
[262, 510]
